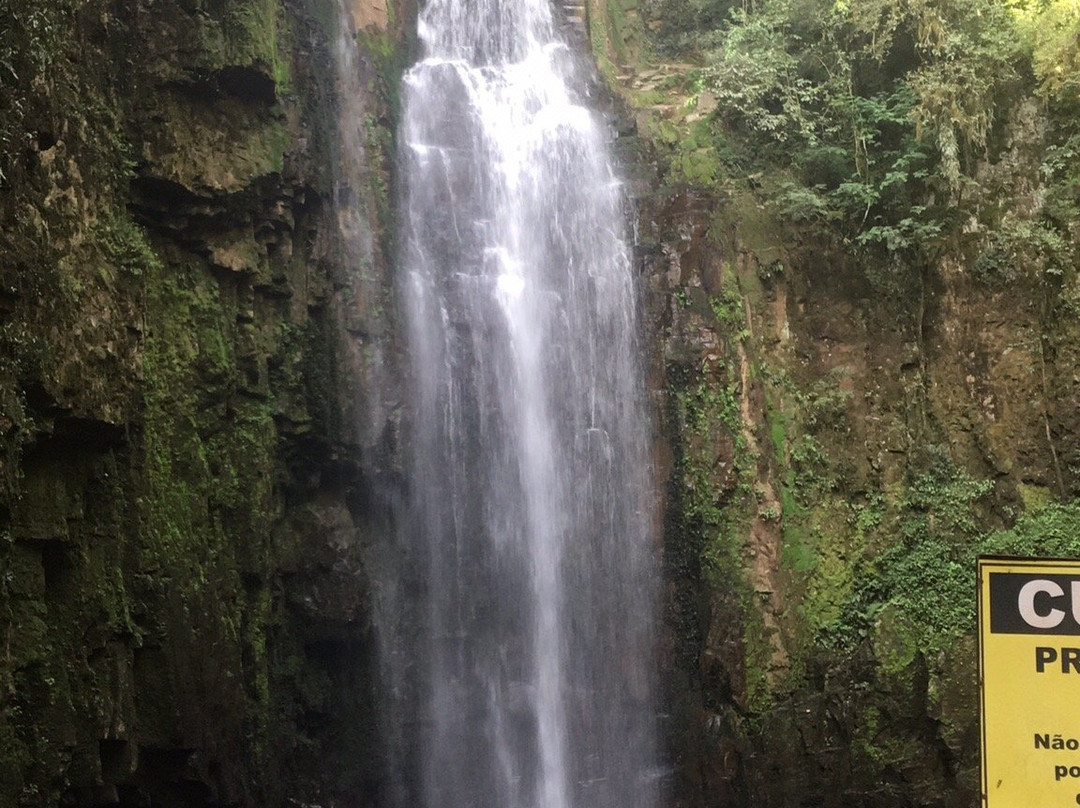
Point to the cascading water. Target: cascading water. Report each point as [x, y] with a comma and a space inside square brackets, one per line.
[531, 496]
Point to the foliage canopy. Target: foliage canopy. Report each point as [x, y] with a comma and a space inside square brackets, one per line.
[872, 118]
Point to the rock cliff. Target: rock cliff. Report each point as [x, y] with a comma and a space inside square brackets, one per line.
[842, 431]
[198, 399]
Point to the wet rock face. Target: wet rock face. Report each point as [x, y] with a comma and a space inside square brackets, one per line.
[198, 408]
[837, 447]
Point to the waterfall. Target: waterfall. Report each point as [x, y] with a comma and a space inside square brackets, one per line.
[531, 501]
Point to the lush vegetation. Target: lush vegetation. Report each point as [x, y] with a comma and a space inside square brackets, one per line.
[872, 122]
[882, 161]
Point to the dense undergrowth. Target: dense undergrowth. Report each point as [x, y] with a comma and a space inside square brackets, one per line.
[876, 128]
[873, 372]
[872, 123]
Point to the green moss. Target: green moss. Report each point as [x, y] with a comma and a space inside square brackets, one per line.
[254, 35]
[697, 167]
[211, 456]
[1034, 497]
[896, 638]
[833, 574]
[209, 452]
[716, 468]
[617, 36]
[876, 743]
[123, 244]
[384, 48]
[141, 595]
[758, 657]
[380, 143]
[819, 542]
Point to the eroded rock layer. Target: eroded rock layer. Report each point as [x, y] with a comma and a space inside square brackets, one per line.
[198, 398]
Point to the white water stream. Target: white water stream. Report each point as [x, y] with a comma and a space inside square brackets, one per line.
[530, 483]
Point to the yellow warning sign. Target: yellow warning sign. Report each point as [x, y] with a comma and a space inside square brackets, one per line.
[1029, 678]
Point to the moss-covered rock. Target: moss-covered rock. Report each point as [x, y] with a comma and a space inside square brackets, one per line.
[189, 459]
[850, 427]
